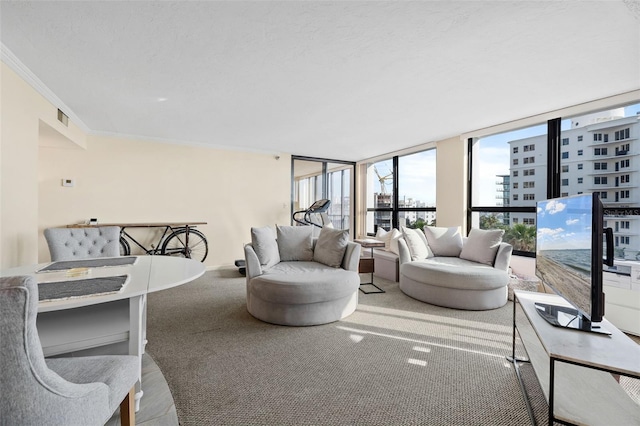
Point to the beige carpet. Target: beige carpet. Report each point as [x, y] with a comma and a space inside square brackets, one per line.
[394, 361]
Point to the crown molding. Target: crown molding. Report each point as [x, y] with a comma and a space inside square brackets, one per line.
[12, 61]
[170, 141]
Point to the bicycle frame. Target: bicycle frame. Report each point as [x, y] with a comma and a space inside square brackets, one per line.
[168, 230]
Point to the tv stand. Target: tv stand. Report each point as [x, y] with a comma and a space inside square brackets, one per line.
[575, 369]
[567, 317]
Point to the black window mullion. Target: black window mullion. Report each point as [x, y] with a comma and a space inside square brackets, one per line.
[553, 157]
[469, 182]
[396, 197]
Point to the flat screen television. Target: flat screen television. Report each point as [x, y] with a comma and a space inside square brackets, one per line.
[570, 243]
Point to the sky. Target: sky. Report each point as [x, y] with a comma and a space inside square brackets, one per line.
[417, 177]
[564, 223]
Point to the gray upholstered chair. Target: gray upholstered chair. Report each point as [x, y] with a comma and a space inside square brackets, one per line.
[83, 243]
[56, 391]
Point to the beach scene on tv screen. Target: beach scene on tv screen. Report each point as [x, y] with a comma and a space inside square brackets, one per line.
[563, 248]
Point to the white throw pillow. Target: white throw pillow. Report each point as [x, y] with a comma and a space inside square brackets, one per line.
[417, 243]
[331, 246]
[384, 236]
[482, 245]
[393, 241]
[381, 232]
[444, 241]
[264, 244]
[295, 243]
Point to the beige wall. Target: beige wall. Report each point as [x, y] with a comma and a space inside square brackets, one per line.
[23, 113]
[451, 201]
[120, 180]
[132, 181]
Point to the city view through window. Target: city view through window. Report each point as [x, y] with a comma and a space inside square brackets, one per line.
[416, 187]
[599, 152]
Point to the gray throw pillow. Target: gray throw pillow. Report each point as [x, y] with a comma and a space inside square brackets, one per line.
[264, 244]
[482, 245]
[417, 243]
[295, 243]
[444, 241]
[331, 246]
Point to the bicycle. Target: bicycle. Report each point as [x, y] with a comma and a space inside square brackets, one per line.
[180, 240]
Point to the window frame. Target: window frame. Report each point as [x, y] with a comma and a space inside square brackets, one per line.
[323, 181]
[395, 210]
[553, 179]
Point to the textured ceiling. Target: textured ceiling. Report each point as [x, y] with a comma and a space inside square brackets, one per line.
[333, 79]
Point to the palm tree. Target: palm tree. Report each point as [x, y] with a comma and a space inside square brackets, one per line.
[521, 237]
[418, 224]
[490, 221]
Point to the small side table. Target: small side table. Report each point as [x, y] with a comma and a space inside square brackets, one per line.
[367, 264]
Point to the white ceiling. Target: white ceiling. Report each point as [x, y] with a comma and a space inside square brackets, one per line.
[342, 80]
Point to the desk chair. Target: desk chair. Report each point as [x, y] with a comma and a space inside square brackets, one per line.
[83, 243]
[57, 391]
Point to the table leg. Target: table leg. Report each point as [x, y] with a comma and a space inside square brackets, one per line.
[371, 282]
[136, 338]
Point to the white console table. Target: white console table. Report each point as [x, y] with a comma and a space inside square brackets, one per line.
[108, 324]
[575, 368]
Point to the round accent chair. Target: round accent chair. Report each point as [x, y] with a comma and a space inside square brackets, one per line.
[455, 272]
[298, 280]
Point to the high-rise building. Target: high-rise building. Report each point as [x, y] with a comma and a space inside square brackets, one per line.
[599, 153]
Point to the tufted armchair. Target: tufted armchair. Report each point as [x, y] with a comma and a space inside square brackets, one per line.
[83, 243]
[57, 391]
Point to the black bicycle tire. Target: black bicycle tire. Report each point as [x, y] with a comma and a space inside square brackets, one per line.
[176, 235]
[125, 248]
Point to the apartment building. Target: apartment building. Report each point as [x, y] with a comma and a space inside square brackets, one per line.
[599, 153]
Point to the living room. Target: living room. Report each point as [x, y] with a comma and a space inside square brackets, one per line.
[234, 183]
[32, 167]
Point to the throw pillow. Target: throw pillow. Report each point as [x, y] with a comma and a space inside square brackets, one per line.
[330, 247]
[417, 243]
[295, 243]
[444, 241]
[482, 245]
[264, 244]
[393, 241]
[383, 236]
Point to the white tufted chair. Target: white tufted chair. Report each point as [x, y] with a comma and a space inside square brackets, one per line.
[83, 243]
[77, 391]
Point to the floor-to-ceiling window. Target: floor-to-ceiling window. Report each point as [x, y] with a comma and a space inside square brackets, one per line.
[401, 191]
[594, 152]
[316, 179]
[508, 176]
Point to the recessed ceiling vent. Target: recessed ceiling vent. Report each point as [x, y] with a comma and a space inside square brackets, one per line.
[62, 117]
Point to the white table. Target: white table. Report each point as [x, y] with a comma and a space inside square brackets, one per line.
[106, 324]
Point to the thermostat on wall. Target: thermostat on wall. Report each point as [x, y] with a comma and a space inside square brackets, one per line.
[68, 182]
[93, 221]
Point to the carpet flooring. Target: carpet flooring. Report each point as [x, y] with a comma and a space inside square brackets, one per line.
[395, 361]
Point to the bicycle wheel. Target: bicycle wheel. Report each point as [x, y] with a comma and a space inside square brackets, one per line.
[175, 245]
[125, 249]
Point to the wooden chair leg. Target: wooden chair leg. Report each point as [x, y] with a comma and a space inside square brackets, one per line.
[128, 409]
